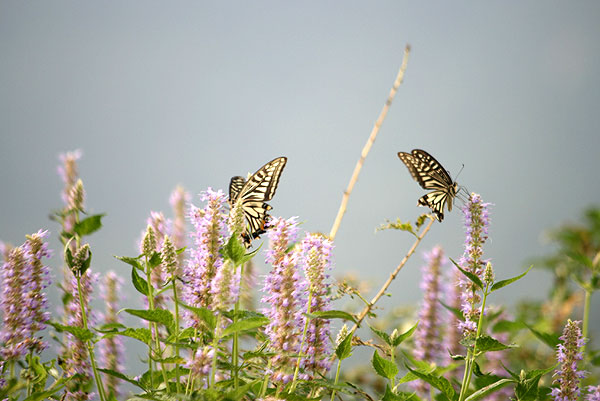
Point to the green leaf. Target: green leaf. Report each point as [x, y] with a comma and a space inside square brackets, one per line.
[455, 311]
[382, 335]
[121, 376]
[408, 377]
[332, 314]
[504, 283]
[135, 262]
[234, 250]
[400, 396]
[170, 359]
[482, 392]
[89, 225]
[526, 388]
[86, 263]
[581, 259]
[161, 316]
[79, 332]
[245, 325]
[344, 350]
[384, 367]
[438, 382]
[398, 340]
[472, 277]
[203, 314]
[139, 283]
[509, 326]
[486, 343]
[549, 339]
[396, 225]
[155, 260]
[69, 257]
[110, 327]
[141, 334]
[45, 395]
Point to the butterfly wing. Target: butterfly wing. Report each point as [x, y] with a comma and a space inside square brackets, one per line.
[254, 193]
[427, 171]
[435, 201]
[235, 187]
[430, 174]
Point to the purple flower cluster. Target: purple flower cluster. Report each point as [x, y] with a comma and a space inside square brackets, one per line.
[283, 291]
[69, 174]
[200, 365]
[427, 335]
[178, 200]
[476, 223]
[205, 258]
[568, 354]
[453, 333]
[428, 345]
[316, 258]
[593, 393]
[24, 278]
[112, 350]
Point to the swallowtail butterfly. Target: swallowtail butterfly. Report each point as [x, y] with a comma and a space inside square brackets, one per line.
[430, 174]
[253, 193]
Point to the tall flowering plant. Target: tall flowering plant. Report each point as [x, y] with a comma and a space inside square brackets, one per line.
[428, 336]
[223, 349]
[316, 259]
[283, 292]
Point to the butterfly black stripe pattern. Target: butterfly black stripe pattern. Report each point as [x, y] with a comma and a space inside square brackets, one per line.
[253, 193]
[430, 174]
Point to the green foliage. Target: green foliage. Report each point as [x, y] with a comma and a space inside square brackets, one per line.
[503, 283]
[89, 225]
[384, 367]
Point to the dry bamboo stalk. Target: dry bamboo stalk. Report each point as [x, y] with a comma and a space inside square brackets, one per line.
[392, 276]
[367, 147]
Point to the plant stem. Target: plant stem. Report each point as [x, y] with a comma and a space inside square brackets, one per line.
[153, 324]
[265, 384]
[392, 276]
[337, 377]
[367, 147]
[235, 351]
[293, 386]
[89, 345]
[215, 346]
[176, 301]
[471, 354]
[586, 314]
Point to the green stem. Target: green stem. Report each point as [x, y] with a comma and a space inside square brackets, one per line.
[265, 384]
[337, 378]
[190, 382]
[235, 351]
[158, 352]
[176, 301]
[473, 353]
[294, 382]
[89, 344]
[215, 345]
[586, 315]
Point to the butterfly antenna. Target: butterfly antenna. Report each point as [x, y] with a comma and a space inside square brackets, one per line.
[460, 171]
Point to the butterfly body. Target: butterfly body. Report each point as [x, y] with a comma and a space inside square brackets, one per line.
[430, 174]
[253, 193]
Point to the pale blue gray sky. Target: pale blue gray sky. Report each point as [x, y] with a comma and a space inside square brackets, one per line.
[160, 93]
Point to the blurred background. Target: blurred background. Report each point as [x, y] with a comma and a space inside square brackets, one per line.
[157, 94]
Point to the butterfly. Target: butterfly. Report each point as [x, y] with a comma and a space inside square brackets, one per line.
[430, 174]
[253, 193]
